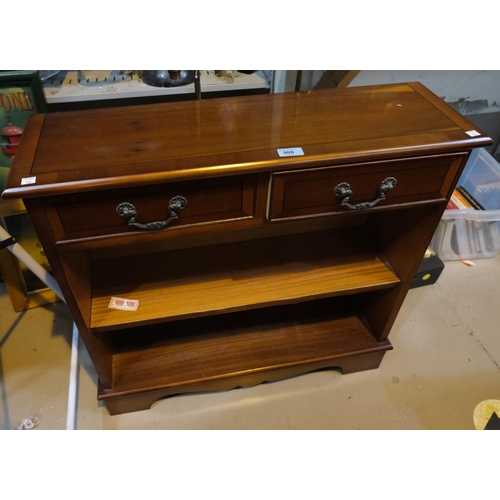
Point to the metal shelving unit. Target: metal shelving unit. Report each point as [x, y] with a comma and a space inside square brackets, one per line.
[70, 86]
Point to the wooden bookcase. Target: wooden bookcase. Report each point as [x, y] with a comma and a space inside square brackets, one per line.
[279, 264]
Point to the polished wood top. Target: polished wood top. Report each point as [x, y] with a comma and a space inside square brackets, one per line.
[98, 149]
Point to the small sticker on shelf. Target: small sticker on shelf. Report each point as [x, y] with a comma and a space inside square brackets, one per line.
[28, 180]
[290, 152]
[472, 133]
[123, 304]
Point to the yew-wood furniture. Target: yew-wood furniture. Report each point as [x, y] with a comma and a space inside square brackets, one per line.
[262, 236]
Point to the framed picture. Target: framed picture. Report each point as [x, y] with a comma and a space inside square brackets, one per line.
[21, 95]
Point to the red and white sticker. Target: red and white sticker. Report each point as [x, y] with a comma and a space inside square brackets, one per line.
[123, 304]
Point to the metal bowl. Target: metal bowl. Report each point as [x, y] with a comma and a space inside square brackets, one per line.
[167, 78]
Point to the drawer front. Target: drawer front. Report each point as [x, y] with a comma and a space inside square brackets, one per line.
[82, 216]
[308, 193]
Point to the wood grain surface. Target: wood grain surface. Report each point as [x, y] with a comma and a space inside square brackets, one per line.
[194, 351]
[225, 278]
[99, 149]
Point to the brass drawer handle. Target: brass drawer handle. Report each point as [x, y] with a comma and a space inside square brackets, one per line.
[344, 191]
[128, 211]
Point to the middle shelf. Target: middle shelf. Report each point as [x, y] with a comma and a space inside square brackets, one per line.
[237, 276]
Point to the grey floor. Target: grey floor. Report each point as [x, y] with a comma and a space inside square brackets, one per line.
[446, 360]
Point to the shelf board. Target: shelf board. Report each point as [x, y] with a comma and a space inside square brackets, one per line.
[209, 350]
[237, 276]
[74, 86]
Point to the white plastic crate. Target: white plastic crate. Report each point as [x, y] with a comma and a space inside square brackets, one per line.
[469, 233]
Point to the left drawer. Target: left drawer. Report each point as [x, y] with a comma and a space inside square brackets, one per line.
[94, 215]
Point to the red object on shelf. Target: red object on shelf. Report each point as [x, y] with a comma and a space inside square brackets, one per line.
[13, 135]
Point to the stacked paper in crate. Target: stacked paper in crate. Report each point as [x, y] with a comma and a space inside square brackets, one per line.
[470, 226]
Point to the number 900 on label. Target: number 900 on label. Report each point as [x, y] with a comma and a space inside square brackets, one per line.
[290, 152]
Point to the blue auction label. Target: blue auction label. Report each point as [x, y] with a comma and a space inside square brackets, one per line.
[290, 152]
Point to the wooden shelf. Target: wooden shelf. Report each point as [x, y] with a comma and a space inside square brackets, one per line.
[237, 276]
[207, 350]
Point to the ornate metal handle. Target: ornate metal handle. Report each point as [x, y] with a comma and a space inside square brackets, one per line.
[344, 191]
[128, 211]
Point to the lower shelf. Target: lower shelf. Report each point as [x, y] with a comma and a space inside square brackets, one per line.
[231, 350]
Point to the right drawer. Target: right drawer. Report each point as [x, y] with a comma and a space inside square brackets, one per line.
[322, 191]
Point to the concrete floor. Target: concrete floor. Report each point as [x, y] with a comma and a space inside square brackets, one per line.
[446, 360]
